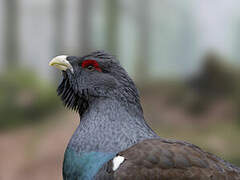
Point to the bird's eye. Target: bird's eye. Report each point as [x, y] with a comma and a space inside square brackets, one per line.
[91, 68]
[91, 65]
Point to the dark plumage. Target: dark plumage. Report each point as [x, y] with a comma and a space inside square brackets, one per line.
[113, 140]
[166, 159]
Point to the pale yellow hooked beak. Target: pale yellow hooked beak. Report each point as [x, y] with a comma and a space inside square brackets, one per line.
[61, 63]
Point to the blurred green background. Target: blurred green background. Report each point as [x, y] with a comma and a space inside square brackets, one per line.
[184, 57]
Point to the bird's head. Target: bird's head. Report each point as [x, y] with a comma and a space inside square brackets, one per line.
[92, 76]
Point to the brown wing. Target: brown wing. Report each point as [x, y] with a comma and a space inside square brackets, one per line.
[171, 160]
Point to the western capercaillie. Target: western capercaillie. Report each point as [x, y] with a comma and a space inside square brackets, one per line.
[113, 140]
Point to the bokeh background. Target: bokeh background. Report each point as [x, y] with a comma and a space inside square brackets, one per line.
[183, 55]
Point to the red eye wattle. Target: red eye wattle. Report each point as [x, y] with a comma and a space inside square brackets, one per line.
[90, 62]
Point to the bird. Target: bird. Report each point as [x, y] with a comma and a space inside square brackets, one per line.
[113, 139]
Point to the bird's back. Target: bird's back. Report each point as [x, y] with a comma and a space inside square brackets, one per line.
[167, 159]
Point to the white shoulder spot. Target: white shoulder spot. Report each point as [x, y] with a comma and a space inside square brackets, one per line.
[117, 161]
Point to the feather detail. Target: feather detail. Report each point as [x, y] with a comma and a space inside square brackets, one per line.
[117, 161]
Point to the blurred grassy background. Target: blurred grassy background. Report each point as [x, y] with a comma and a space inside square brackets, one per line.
[183, 56]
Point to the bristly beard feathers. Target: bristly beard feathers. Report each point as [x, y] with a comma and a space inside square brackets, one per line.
[77, 98]
[70, 98]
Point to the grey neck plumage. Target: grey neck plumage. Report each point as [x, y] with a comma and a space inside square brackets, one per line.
[109, 126]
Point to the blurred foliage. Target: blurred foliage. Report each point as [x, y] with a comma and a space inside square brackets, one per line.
[216, 80]
[24, 98]
[211, 94]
